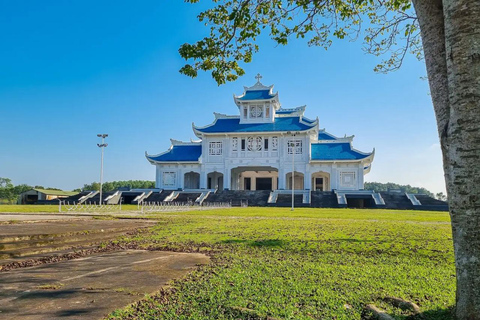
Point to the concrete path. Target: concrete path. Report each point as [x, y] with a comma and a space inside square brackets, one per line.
[90, 287]
[10, 217]
[23, 241]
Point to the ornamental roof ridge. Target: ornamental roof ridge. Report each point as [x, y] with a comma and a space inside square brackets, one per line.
[297, 111]
[184, 143]
[307, 121]
[258, 86]
[224, 116]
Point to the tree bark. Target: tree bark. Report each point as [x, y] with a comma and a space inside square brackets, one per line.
[451, 42]
[462, 39]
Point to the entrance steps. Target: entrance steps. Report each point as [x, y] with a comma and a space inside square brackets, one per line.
[284, 197]
[157, 197]
[256, 198]
[197, 196]
[323, 199]
[359, 199]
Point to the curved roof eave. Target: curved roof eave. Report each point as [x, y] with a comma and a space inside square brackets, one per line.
[252, 132]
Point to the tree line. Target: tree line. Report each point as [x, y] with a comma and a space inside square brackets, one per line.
[381, 187]
[9, 193]
[115, 185]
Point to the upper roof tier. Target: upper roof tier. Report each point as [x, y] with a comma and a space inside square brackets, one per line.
[337, 151]
[257, 92]
[232, 124]
[256, 95]
[178, 153]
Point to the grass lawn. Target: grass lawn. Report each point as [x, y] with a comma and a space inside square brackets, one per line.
[309, 264]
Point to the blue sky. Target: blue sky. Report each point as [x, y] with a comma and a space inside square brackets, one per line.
[72, 69]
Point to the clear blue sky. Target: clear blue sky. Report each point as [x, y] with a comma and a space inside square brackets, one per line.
[72, 69]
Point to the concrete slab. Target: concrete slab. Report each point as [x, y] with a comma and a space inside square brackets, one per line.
[90, 287]
[62, 227]
[19, 217]
[23, 241]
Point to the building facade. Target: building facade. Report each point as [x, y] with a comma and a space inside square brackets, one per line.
[259, 149]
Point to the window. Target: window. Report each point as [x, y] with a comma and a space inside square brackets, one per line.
[215, 148]
[267, 111]
[256, 111]
[169, 178]
[294, 146]
[265, 144]
[245, 112]
[243, 144]
[347, 179]
[235, 144]
[254, 143]
[274, 143]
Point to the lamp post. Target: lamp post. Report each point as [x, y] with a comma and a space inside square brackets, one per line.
[292, 144]
[102, 145]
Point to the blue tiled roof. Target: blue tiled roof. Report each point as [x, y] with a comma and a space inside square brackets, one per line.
[233, 125]
[180, 153]
[283, 111]
[335, 151]
[257, 95]
[325, 136]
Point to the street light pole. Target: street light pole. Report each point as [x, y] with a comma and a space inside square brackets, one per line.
[103, 145]
[292, 144]
[293, 172]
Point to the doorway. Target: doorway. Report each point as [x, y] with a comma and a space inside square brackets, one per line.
[263, 184]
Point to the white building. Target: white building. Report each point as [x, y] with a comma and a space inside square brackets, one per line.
[258, 148]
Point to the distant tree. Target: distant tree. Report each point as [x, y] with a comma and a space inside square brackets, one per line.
[5, 183]
[21, 188]
[94, 186]
[7, 191]
[441, 196]
[379, 187]
[115, 185]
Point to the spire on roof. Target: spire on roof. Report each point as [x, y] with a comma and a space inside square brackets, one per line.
[258, 77]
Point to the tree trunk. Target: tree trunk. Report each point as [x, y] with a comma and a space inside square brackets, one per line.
[462, 39]
[451, 41]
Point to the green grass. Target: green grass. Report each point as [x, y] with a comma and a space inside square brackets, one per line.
[17, 208]
[306, 264]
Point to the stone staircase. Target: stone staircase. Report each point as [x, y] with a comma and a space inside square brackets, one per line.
[429, 203]
[96, 198]
[186, 197]
[285, 200]
[323, 199]
[257, 198]
[156, 197]
[396, 200]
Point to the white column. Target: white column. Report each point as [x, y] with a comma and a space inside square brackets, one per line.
[360, 176]
[182, 179]
[203, 179]
[281, 178]
[226, 178]
[307, 178]
[158, 176]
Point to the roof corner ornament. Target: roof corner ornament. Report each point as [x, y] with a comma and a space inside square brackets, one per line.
[258, 77]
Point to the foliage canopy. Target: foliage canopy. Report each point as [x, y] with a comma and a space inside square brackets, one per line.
[235, 26]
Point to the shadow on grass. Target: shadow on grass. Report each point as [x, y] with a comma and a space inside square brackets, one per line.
[256, 243]
[437, 314]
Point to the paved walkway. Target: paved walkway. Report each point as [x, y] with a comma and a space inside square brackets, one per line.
[10, 217]
[90, 287]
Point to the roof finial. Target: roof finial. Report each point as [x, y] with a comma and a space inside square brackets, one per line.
[258, 77]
